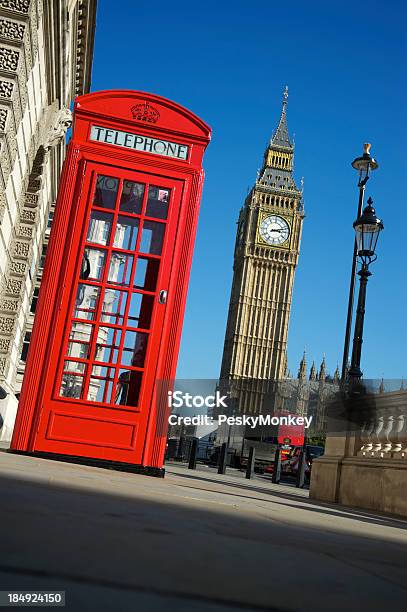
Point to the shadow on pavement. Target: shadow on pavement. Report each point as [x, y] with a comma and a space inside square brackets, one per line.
[309, 504]
[124, 538]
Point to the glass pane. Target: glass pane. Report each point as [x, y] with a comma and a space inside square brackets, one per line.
[146, 273]
[93, 264]
[134, 349]
[113, 307]
[132, 197]
[100, 384]
[106, 191]
[71, 386]
[120, 268]
[107, 346]
[80, 332]
[126, 233]
[128, 388]
[141, 308]
[157, 203]
[78, 349]
[74, 366]
[86, 301]
[100, 224]
[152, 237]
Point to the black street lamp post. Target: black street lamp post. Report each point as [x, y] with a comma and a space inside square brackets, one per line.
[363, 165]
[367, 228]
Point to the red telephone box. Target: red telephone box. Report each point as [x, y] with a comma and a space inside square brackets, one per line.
[114, 287]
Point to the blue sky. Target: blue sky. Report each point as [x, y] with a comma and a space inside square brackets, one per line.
[228, 62]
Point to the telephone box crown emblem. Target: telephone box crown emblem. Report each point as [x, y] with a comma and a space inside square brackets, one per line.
[145, 112]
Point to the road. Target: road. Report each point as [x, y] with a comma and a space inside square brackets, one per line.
[194, 541]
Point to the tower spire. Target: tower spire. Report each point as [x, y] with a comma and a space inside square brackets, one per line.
[277, 170]
[322, 369]
[336, 376]
[281, 137]
[302, 372]
[313, 372]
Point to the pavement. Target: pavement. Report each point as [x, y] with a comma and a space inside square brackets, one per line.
[194, 541]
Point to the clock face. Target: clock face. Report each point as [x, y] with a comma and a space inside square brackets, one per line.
[274, 230]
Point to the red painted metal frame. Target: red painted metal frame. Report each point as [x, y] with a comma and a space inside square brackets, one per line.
[145, 115]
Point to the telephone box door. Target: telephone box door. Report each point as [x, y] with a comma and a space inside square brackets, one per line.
[106, 343]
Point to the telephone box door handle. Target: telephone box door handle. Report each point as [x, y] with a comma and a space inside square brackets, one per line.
[162, 298]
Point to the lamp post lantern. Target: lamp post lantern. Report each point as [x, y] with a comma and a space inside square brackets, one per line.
[367, 228]
[364, 165]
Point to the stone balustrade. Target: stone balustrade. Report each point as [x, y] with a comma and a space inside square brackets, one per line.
[384, 432]
[365, 460]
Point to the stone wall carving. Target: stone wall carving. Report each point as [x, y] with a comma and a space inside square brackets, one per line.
[2, 204]
[20, 100]
[3, 119]
[11, 139]
[9, 305]
[21, 249]
[3, 364]
[19, 268]
[4, 345]
[34, 20]
[6, 325]
[20, 6]
[28, 216]
[27, 47]
[24, 231]
[9, 59]
[11, 29]
[13, 286]
[31, 199]
[6, 89]
[4, 161]
[62, 122]
[26, 34]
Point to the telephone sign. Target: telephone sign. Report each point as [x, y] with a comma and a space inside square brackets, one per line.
[138, 142]
[114, 287]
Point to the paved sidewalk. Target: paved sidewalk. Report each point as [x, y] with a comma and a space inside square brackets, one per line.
[194, 541]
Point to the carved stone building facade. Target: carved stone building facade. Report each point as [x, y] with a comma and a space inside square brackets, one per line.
[266, 255]
[46, 50]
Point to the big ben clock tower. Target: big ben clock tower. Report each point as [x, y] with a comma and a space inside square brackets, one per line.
[266, 254]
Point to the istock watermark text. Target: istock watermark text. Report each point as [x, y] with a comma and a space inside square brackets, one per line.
[178, 399]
